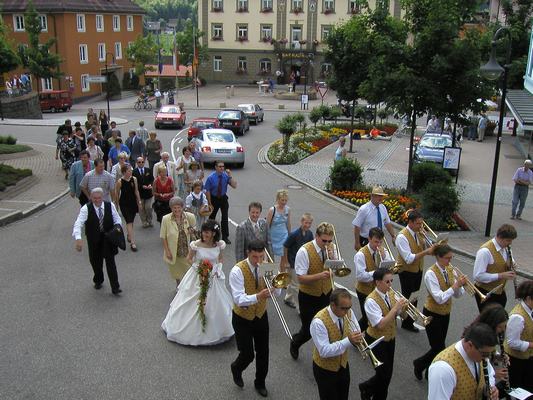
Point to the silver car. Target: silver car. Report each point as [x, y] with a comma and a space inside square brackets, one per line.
[220, 145]
[253, 112]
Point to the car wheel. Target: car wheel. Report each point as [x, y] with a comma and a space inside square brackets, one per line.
[156, 126]
[53, 109]
[65, 109]
[262, 118]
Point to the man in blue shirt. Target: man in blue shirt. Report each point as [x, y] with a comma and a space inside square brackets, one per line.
[216, 188]
[294, 241]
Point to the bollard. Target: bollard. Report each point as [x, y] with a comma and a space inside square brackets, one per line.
[281, 106]
[232, 90]
[228, 93]
[222, 105]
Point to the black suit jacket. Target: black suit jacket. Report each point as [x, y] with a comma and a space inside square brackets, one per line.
[144, 179]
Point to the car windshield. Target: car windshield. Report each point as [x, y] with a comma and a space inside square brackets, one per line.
[247, 108]
[220, 137]
[203, 124]
[435, 142]
[229, 115]
[170, 110]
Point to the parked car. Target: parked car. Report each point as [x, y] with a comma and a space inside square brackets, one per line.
[254, 112]
[234, 120]
[198, 124]
[55, 100]
[220, 145]
[430, 147]
[172, 115]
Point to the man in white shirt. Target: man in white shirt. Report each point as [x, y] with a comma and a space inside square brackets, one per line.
[523, 177]
[99, 217]
[370, 215]
[333, 330]
[458, 369]
[492, 267]
[252, 228]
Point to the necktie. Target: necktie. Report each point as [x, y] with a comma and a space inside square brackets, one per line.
[219, 187]
[323, 255]
[142, 171]
[101, 219]
[445, 275]
[256, 230]
[387, 300]
[256, 278]
[477, 374]
[340, 326]
[380, 221]
[166, 166]
[374, 257]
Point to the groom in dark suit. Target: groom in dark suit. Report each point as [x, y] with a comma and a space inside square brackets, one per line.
[252, 228]
[144, 184]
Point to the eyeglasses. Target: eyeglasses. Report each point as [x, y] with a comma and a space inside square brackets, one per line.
[140, 162]
[389, 281]
[326, 241]
[345, 308]
[220, 166]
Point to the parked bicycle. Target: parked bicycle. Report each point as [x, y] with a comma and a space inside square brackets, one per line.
[142, 104]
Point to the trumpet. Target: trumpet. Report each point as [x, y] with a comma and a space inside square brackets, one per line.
[412, 311]
[471, 289]
[335, 264]
[511, 267]
[278, 281]
[363, 347]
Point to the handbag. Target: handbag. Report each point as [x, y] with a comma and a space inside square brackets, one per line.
[116, 237]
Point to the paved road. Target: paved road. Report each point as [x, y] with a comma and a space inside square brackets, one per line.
[61, 339]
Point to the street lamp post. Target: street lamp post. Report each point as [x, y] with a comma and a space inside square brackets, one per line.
[107, 83]
[493, 71]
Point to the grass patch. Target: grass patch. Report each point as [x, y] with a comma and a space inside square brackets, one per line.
[9, 175]
[13, 148]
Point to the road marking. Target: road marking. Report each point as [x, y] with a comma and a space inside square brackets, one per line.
[8, 209]
[180, 140]
[40, 144]
[20, 201]
[174, 140]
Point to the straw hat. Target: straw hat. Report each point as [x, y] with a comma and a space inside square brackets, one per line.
[378, 191]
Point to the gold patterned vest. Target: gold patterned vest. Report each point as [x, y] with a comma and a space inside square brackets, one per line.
[388, 331]
[367, 287]
[316, 266]
[255, 310]
[332, 363]
[526, 335]
[466, 387]
[498, 266]
[431, 304]
[415, 249]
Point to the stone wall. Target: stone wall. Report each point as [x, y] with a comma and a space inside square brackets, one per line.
[26, 106]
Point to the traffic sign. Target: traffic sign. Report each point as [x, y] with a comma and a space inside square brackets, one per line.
[97, 79]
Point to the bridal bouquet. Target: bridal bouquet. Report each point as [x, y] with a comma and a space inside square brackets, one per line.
[204, 272]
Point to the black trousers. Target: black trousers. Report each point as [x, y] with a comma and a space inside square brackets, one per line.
[520, 373]
[436, 332]
[378, 385]
[250, 336]
[363, 322]
[221, 203]
[309, 306]
[410, 282]
[493, 298]
[99, 251]
[332, 385]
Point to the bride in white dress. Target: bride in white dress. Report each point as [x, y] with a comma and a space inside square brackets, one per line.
[183, 323]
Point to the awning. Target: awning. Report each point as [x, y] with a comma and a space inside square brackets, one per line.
[520, 103]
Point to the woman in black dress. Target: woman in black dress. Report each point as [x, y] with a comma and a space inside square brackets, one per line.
[127, 193]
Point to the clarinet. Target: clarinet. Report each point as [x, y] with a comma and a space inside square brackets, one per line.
[484, 363]
[512, 266]
[506, 385]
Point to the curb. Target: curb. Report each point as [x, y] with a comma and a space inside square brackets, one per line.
[464, 253]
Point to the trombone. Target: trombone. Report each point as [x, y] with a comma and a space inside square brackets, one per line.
[364, 348]
[335, 264]
[430, 239]
[412, 311]
[279, 281]
[396, 268]
[472, 290]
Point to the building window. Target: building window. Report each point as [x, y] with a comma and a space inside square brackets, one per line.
[18, 22]
[242, 32]
[353, 6]
[297, 6]
[46, 84]
[218, 5]
[296, 37]
[242, 64]
[118, 51]
[129, 22]
[85, 85]
[217, 63]
[326, 30]
[99, 23]
[80, 22]
[328, 6]
[116, 23]
[266, 33]
[325, 70]
[44, 22]
[266, 5]
[101, 51]
[242, 5]
[217, 30]
[84, 56]
[265, 66]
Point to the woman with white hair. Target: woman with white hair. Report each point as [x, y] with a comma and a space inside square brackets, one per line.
[116, 171]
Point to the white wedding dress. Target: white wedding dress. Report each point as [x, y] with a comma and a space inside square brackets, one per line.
[182, 323]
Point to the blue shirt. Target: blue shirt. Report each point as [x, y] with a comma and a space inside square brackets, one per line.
[211, 184]
[294, 241]
[113, 153]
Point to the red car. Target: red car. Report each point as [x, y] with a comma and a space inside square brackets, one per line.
[200, 124]
[172, 115]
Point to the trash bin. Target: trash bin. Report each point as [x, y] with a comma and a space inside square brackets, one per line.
[228, 92]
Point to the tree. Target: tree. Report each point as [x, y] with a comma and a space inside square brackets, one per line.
[170, 9]
[286, 126]
[38, 58]
[184, 44]
[141, 53]
[9, 59]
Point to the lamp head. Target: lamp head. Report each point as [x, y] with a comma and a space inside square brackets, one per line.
[492, 70]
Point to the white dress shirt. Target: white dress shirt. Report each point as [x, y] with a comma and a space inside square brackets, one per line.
[373, 310]
[84, 214]
[367, 218]
[402, 244]
[301, 262]
[484, 258]
[433, 287]
[442, 378]
[515, 326]
[320, 336]
[236, 283]
[360, 264]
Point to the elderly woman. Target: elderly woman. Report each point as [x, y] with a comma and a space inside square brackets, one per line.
[129, 199]
[176, 233]
[116, 171]
[163, 189]
[340, 153]
[279, 222]
[94, 150]
[153, 149]
[67, 152]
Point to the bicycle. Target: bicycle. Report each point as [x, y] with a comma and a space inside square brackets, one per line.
[142, 104]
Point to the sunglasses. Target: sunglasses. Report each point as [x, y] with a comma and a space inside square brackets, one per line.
[326, 241]
[140, 162]
[345, 308]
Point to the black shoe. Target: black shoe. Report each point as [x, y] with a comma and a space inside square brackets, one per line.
[289, 304]
[417, 370]
[117, 291]
[98, 286]
[365, 393]
[237, 377]
[294, 351]
[262, 391]
[411, 328]
[227, 241]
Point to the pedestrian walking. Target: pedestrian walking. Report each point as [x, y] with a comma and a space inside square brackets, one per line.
[99, 178]
[144, 184]
[279, 221]
[481, 127]
[129, 201]
[523, 177]
[77, 172]
[141, 131]
[153, 148]
[104, 121]
[163, 190]
[196, 203]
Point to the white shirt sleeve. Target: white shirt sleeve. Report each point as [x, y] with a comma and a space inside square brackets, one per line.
[116, 218]
[373, 312]
[402, 244]
[483, 258]
[301, 262]
[80, 221]
[384, 215]
[236, 283]
[515, 326]
[360, 217]
[442, 381]
[319, 333]
[360, 268]
[433, 287]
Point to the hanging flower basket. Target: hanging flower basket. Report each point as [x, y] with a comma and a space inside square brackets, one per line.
[302, 41]
[242, 9]
[217, 9]
[267, 39]
[243, 38]
[297, 10]
[266, 10]
[328, 11]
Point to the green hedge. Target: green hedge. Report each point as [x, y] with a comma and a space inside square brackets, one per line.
[8, 140]
[10, 176]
